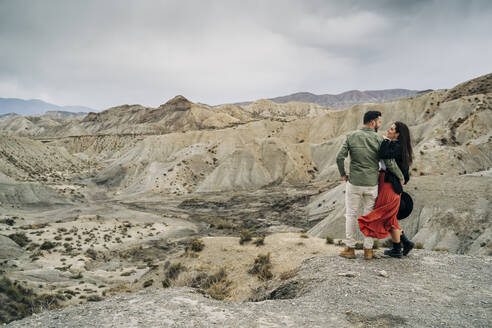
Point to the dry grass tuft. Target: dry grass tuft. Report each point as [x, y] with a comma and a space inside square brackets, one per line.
[174, 270]
[245, 236]
[288, 274]
[262, 267]
[197, 245]
[260, 241]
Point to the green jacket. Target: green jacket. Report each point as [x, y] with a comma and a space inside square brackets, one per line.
[363, 147]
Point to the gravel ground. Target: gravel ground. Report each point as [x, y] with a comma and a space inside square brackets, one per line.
[427, 289]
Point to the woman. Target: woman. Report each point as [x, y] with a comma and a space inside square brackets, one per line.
[382, 221]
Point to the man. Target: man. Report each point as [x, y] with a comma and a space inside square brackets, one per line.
[362, 181]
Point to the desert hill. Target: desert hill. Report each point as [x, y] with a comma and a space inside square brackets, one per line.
[344, 99]
[176, 115]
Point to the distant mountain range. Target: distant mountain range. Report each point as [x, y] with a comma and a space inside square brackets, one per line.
[39, 107]
[342, 100]
[345, 99]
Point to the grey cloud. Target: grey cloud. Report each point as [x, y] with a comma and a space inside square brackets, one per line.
[104, 53]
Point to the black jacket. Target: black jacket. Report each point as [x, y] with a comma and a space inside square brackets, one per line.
[392, 149]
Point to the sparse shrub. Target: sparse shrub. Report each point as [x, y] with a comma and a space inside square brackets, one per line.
[20, 238]
[94, 298]
[19, 302]
[215, 285]
[377, 244]
[148, 283]
[63, 268]
[127, 273]
[32, 246]
[197, 245]
[304, 235]
[91, 253]
[36, 255]
[419, 245]
[260, 241]
[218, 285]
[388, 243]
[329, 240]
[68, 247]
[77, 276]
[262, 267]
[220, 224]
[7, 221]
[439, 249]
[47, 245]
[117, 289]
[288, 274]
[244, 236]
[174, 270]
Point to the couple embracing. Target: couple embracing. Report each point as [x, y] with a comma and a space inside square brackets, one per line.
[378, 170]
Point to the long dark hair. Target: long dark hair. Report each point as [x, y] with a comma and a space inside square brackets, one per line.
[406, 144]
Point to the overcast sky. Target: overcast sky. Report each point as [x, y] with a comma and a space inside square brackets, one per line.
[105, 53]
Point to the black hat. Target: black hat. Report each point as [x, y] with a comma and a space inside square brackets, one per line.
[406, 206]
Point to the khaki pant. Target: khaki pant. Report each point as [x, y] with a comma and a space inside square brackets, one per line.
[354, 197]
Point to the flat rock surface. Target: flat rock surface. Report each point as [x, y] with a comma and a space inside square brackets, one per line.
[427, 289]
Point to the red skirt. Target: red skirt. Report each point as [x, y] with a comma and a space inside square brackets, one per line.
[382, 219]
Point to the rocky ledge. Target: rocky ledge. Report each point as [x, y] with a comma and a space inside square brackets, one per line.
[426, 289]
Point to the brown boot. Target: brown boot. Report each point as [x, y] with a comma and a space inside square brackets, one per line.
[348, 253]
[368, 253]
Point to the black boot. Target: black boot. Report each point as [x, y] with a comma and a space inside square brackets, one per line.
[395, 251]
[408, 245]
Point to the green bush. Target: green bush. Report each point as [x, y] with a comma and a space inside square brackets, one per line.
[329, 240]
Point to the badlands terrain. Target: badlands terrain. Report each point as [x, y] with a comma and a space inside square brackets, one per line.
[221, 215]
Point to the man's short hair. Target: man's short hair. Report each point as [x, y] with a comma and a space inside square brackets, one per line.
[371, 115]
